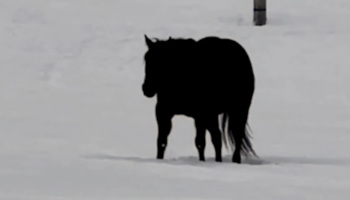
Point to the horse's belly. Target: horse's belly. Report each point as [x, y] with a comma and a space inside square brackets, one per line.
[194, 107]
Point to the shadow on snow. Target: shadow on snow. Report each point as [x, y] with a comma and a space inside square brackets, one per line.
[210, 162]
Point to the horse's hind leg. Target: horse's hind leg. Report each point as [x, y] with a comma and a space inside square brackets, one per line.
[238, 122]
[200, 137]
[164, 127]
[213, 128]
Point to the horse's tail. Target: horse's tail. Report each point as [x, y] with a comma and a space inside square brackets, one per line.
[230, 135]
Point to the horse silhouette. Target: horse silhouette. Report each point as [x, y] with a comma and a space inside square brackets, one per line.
[210, 80]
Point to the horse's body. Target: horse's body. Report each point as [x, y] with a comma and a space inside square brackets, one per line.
[201, 79]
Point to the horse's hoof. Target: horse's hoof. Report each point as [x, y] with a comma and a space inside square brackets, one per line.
[236, 160]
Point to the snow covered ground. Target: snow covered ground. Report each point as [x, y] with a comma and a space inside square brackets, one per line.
[75, 126]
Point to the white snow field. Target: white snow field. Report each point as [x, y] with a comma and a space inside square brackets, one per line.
[74, 124]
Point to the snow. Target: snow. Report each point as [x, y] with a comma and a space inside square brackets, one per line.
[74, 124]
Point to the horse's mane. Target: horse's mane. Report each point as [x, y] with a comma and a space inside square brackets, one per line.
[171, 44]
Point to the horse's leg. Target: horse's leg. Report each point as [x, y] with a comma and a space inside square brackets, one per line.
[200, 137]
[239, 120]
[164, 127]
[213, 128]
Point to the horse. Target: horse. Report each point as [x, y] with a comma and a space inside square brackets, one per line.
[210, 80]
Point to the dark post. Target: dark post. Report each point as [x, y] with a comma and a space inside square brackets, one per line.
[259, 12]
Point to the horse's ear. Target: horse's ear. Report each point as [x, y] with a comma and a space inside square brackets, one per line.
[170, 38]
[148, 42]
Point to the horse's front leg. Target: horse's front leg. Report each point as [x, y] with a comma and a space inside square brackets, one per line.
[200, 137]
[164, 118]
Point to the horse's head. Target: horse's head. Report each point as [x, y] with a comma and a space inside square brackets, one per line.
[154, 59]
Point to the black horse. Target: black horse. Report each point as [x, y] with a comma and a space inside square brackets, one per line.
[202, 79]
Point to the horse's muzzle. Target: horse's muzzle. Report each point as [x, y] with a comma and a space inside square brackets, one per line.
[148, 92]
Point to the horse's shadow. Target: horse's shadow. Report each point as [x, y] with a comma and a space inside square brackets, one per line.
[210, 161]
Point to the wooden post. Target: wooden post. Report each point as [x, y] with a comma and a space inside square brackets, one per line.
[259, 12]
